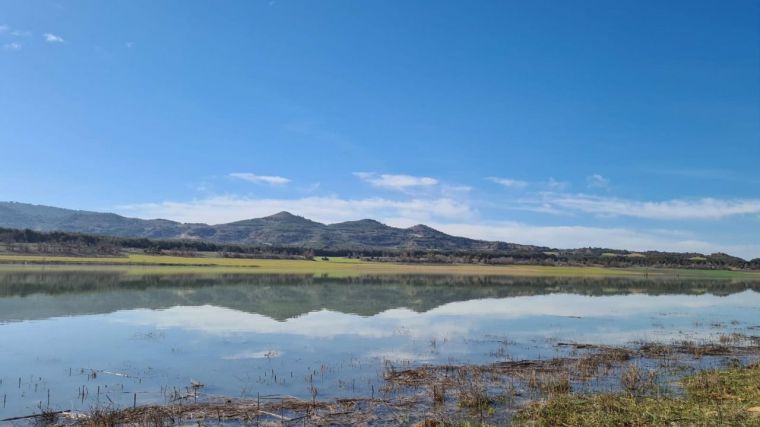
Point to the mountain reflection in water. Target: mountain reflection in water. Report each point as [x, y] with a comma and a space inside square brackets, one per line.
[40, 295]
[135, 337]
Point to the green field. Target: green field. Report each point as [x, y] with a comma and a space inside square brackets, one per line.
[158, 264]
[728, 397]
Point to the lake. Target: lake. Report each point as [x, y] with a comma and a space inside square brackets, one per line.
[80, 340]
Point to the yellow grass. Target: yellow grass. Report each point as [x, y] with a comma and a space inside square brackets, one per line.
[158, 264]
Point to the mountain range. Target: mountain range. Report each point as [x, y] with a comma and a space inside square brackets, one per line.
[281, 230]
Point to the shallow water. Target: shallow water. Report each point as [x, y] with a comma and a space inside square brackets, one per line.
[75, 341]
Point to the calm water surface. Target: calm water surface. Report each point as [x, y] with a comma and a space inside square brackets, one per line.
[76, 341]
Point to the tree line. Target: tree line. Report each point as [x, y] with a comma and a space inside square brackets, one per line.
[77, 244]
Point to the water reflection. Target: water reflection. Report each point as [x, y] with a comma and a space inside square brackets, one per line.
[138, 336]
[27, 296]
[456, 319]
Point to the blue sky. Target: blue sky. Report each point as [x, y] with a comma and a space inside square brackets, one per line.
[628, 124]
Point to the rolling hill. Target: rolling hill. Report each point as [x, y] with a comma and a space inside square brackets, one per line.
[281, 230]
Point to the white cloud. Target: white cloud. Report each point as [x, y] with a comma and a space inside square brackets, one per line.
[399, 356]
[551, 184]
[570, 236]
[14, 33]
[313, 187]
[263, 354]
[455, 190]
[453, 320]
[52, 38]
[509, 183]
[12, 46]
[396, 182]
[597, 181]
[129, 45]
[676, 209]
[224, 209]
[573, 236]
[555, 185]
[445, 214]
[260, 179]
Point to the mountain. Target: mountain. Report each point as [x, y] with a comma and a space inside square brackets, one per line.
[47, 218]
[281, 230]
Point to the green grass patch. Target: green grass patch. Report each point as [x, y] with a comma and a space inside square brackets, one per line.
[341, 267]
[711, 398]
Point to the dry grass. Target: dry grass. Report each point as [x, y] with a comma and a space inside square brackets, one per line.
[729, 397]
[454, 395]
[249, 412]
[159, 264]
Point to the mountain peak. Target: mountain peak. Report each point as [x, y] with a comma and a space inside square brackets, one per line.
[367, 221]
[421, 228]
[281, 215]
[280, 218]
[282, 229]
[361, 224]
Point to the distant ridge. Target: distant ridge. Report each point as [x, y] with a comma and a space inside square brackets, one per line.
[282, 229]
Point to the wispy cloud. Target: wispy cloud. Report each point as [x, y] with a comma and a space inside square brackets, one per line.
[676, 209]
[396, 182]
[260, 179]
[129, 45]
[6, 29]
[448, 215]
[516, 184]
[573, 236]
[509, 183]
[597, 181]
[12, 46]
[455, 190]
[52, 38]
[555, 185]
[311, 188]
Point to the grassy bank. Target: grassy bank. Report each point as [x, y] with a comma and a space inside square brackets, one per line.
[711, 398]
[157, 264]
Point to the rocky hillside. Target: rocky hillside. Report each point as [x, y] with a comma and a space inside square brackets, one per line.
[282, 229]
